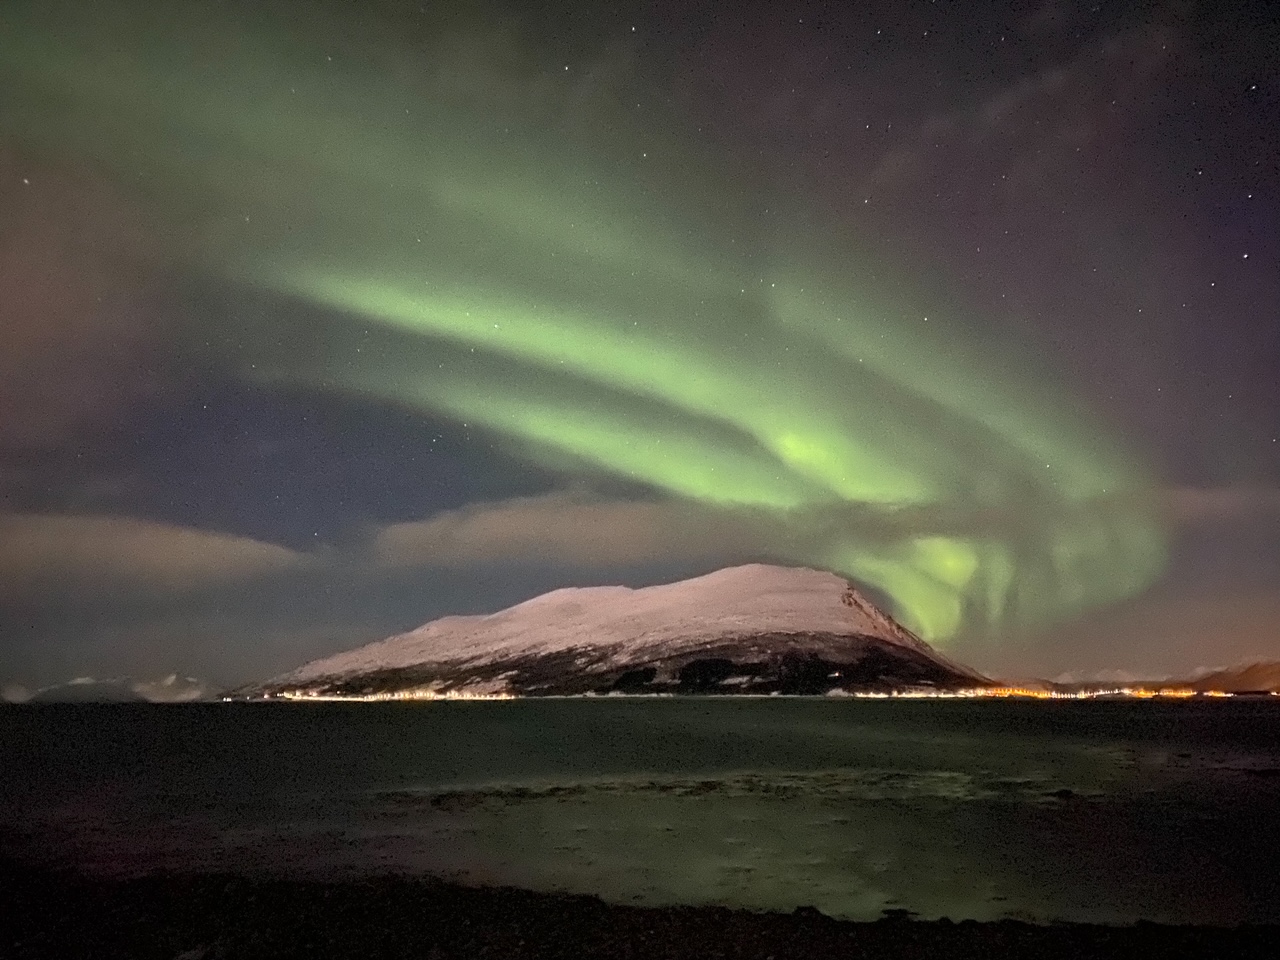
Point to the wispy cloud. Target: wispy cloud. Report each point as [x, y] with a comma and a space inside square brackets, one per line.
[563, 528]
[1200, 506]
[40, 552]
[1024, 135]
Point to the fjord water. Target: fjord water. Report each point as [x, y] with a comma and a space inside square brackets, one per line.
[1098, 811]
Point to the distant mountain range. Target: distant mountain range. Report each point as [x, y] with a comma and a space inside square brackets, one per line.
[753, 629]
[170, 689]
[1255, 677]
[744, 630]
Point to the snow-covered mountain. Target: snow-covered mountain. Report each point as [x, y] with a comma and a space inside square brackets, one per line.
[750, 629]
[170, 689]
[1264, 675]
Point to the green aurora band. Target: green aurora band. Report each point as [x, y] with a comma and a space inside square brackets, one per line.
[594, 290]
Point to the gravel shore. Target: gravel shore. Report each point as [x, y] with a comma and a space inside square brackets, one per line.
[219, 917]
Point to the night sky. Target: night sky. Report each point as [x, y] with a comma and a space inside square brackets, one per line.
[322, 319]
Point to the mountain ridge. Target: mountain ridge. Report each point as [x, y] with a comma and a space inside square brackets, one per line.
[1261, 675]
[747, 629]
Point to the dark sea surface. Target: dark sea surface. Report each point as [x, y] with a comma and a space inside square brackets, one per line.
[1093, 811]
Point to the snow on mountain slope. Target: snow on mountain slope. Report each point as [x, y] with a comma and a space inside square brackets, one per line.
[1264, 675]
[620, 626]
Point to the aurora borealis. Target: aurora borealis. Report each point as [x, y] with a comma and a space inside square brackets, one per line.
[522, 236]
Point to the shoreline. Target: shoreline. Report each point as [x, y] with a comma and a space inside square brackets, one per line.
[220, 916]
[1118, 695]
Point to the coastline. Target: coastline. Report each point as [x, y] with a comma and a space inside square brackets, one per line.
[197, 916]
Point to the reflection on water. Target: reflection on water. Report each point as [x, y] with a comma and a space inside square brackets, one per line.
[1089, 811]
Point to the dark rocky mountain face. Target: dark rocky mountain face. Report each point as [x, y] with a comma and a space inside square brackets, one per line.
[791, 664]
